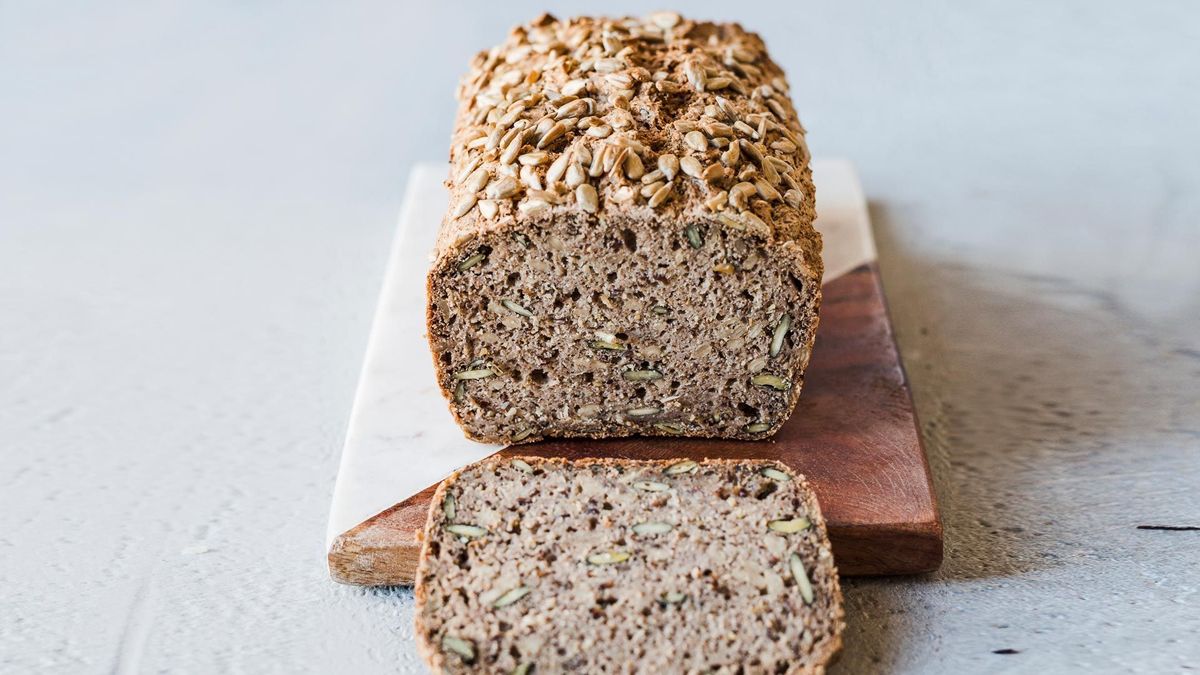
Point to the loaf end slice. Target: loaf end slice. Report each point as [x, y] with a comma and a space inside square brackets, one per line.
[546, 565]
[629, 247]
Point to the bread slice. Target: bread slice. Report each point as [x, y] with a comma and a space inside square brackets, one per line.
[623, 566]
[629, 247]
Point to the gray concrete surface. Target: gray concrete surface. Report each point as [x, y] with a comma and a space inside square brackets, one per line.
[195, 205]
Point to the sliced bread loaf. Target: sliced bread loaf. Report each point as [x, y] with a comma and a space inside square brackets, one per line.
[622, 566]
[629, 247]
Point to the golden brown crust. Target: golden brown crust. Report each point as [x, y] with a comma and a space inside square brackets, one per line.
[617, 97]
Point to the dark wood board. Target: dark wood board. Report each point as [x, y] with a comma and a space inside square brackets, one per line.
[854, 434]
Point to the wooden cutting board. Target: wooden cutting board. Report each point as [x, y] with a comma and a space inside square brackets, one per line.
[854, 432]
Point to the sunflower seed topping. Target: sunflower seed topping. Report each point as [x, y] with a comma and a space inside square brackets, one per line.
[651, 486]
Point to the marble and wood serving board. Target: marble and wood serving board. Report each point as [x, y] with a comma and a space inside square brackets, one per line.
[854, 432]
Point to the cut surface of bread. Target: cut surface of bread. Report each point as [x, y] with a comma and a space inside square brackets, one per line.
[534, 565]
[629, 247]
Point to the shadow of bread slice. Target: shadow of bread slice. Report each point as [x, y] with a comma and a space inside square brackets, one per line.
[629, 248]
[606, 565]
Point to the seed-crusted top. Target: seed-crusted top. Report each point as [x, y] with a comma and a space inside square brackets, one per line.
[661, 117]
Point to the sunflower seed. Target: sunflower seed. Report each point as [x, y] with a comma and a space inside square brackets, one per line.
[713, 172]
[552, 134]
[599, 131]
[695, 75]
[651, 486]
[791, 526]
[717, 201]
[515, 308]
[772, 381]
[691, 166]
[611, 346]
[766, 191]
[640, 375]
[574, 87]
[471, 261]
[477, 180]
[535, 158]
[718, 83]
[724, 268]
[801, 577]
[449, 507]
[477, 374]
[669, 427]
[586, 196]
[645, 411]
[664, 20]
[780, 333]
[464, 205]
[532, 207]
[468, 531]
[577, 108]
[511, 596]
[660, 195]
[502, 188]
[608, 557]
[459, 646]
[775, 474]
[668, 87]
[633, 166]
[468, 169]
[696, 141]
[576, 176]
[522, 669]
[653, 528]
[678, 468]
[669, 165]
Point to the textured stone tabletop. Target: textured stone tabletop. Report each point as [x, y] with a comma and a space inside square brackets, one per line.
[195, 206]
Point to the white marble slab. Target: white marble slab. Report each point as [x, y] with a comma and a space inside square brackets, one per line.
[401, 437]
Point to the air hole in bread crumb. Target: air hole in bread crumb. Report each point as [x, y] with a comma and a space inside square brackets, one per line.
[513, 278]
[766, 489]
[630, 239]
[797, 283]
[747, 410]
[537, 376]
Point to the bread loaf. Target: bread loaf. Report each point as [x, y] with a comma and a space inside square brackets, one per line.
[629, 245]
[623, 566]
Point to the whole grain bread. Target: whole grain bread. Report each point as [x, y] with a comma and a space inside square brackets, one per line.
[629, 246]
[624, 566]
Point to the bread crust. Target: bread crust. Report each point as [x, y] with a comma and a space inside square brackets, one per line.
[824, 653]
[627, 126]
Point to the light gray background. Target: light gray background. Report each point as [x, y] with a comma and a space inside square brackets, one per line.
[196, 202]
